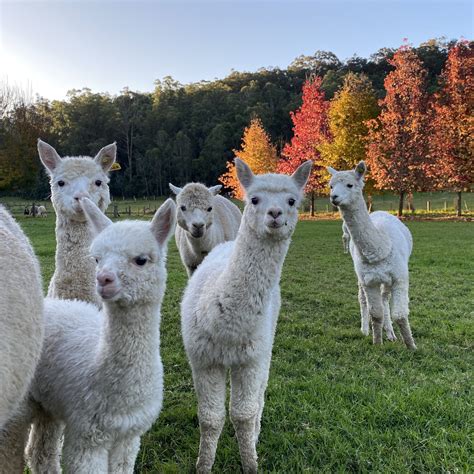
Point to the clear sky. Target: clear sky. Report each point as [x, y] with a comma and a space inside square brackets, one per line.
[54, 46]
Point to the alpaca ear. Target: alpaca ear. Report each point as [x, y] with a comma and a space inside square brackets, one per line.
[175, 189]
[48, 156]
[215, 189]
[360, 170]
[106, 156]
[331, 171]
[244, 173]
[164, 222]
[301, 175]
[96, 218]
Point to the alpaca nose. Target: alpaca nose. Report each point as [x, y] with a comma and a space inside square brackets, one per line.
[198, 226]
[334, 197]
[105, 278]
[275, 212]
[79, 195]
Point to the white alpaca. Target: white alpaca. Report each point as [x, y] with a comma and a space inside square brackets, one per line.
[21, 337]
[230, 309]
[101, 375]
[41, 212]
[205, 220]
[21, 315]
[380, 246]
[72, 178]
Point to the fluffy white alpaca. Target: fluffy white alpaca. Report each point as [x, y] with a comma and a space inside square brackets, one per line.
[21, 337]
[380, 246]
[230, 309]
[205, 220]
[72, 178]
[21, 315]
[100, 374]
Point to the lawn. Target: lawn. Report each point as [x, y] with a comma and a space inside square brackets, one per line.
[335, 403]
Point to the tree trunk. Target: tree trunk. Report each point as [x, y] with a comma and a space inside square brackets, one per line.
[312, 204]
[459, 206]
[400, 204]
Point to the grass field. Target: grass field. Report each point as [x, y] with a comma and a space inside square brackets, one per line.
[335, 403]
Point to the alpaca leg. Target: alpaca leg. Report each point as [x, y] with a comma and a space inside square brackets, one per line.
[374, 300]
[261, 400]
[44, 445]
[364, 312]
[211, 392]
[13, 438]
[400, 312]
[244, 409]
[123, 455]
[387, 321]
[80, 458]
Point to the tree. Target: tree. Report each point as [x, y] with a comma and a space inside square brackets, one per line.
[452, 140]
[257, 151]
[310, 129]
[398, 151]
[349, 111]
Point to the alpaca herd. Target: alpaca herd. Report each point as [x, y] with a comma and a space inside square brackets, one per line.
[81, 376]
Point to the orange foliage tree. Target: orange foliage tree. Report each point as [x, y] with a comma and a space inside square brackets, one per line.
[257, 151]
[310, 129]
[398, 147]
[452, 141]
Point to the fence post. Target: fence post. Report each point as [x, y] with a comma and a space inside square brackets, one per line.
[445, 205]
[428, 206]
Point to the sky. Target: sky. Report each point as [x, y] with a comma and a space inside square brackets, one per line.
[51, 47]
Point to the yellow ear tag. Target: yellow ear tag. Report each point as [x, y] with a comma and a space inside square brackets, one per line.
[115, 167]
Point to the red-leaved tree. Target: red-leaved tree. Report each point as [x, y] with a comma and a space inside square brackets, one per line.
[452, 140]
[398, 147]
[310, 129]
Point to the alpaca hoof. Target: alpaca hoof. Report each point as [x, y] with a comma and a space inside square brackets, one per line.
[412, 347]
[365, 331]
[250, 467]
[391, 336]
[203, 466]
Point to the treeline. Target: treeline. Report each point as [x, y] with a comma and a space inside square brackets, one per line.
[178, 132]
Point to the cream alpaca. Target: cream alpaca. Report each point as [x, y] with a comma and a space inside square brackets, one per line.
[380, 246]
[72, 178]
[101, 375]
[21, 333]
[21, 315]
[230, 310]
[205, 220]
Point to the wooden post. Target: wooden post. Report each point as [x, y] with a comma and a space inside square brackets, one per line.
[445, 205]
[428, 206]
[33, 210]
[459, 205]
[116, 212]
[400, 204]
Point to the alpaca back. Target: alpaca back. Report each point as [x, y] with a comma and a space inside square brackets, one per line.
[21, 315]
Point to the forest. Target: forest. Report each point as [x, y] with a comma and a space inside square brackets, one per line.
[183, 132]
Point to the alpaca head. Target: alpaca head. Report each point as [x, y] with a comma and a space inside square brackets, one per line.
[346, 186]
[195, 207]
[72, 178]
[130, 255]
[272, 200]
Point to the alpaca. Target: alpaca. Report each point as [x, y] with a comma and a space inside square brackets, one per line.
[380, 246]
[205, 220]
[101, 376]
[21, 315]
[72, 178]
[230, 309]
[21, 336]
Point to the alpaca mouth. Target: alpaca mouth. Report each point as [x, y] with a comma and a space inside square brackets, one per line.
[335, 202]
[108, 292]
[197, 234]
[276, 225]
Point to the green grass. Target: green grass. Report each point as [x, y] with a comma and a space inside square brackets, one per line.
[336, 403]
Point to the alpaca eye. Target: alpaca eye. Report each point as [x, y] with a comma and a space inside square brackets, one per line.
[209, 209]
[255, 201]
[291, 202]
[61, 183]
[96, 260]
[140, 261]
[98, 182]
[183, 208]
[350, 185]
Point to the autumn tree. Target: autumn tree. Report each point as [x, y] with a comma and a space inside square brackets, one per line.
[452, 140]
[398, 151]
[349, 112]
[257, 151]
[310, 129]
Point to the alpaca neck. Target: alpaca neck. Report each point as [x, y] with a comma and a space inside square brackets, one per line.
[130, 343]
[253, 271]
[372, 243]
[74, 275]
